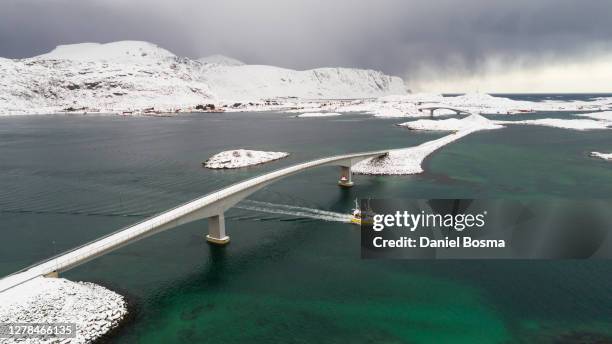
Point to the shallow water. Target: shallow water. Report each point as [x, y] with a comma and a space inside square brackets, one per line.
[288, 275]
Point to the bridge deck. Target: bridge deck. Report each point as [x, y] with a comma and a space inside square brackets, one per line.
[206, 206]
[434, 108]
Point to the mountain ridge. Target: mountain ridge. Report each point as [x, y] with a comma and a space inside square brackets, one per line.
[134, 75]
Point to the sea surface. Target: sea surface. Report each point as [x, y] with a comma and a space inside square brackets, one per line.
[292, 272]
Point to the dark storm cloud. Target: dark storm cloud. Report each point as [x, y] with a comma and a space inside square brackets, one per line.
[396, 36]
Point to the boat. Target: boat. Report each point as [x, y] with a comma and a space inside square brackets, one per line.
[362, 218]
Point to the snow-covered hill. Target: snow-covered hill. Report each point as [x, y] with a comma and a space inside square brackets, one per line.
[254, 81]
[221, 60]
[134, 76]
[123, 51]
[114, 77]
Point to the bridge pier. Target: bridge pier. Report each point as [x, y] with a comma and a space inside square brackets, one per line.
[346, 177]
[216, 230]
[52, 274]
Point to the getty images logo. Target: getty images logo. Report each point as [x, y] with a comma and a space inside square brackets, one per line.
[412, 222]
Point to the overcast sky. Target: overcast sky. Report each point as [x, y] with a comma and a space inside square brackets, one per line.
[442, 44]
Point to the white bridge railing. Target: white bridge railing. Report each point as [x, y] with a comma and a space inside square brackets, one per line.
[163, 221]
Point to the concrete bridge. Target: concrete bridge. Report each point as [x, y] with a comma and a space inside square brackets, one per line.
[434, 108]
[211, 206]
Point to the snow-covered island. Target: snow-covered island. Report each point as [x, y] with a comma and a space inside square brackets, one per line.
[418, 104]
[574, 124]
[602, 116]
[242, 158]
[410, 160]
[94, 309]
[452, 124]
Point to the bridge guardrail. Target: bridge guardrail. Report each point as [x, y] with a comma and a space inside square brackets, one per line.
[189, 207]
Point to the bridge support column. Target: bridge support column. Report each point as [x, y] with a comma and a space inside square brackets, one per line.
[52, 274]
[216, 230]
[346, 178]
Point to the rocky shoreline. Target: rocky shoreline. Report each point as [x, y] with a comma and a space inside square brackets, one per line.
[96, 310]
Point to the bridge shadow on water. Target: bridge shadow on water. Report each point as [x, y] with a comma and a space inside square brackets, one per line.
[217, 266]
[224, 262]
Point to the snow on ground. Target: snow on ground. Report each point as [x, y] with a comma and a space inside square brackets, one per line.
[390, 111]
[486, 104]
[605, 156]
[416, 105]
[242, 158]
[405, 161]
[106, 78]
[409, 160]
[121, 51]
[221, 60]
[247, 83]
[93, 308]
[575, 124]
[319, 114]
[602, 116]
[470, 122]
[132, 76]
[390, 106]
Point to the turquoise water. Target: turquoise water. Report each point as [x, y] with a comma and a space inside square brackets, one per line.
[292, 279]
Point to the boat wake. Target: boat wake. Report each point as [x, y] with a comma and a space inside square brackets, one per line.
[295, 211]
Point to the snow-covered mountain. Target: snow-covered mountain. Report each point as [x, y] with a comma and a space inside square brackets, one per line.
[123, 51]
[253, 81]
[220, 60]
[111, 77]
[133, 75]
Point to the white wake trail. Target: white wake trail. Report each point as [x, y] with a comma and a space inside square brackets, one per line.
[295, 207]
[291, 210]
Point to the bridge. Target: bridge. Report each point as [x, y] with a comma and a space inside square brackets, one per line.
[211, 206]
[434, 108]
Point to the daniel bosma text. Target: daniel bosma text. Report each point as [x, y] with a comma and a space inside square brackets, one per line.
[412, 222]
[424, 242]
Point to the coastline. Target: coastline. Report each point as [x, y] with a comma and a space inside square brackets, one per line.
[317, 197]
[133, 310]
[94, 309]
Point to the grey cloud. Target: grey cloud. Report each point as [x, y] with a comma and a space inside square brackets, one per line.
[395, 36]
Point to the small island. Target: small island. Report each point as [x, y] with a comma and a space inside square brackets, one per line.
[95, 310]
[241, 158]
